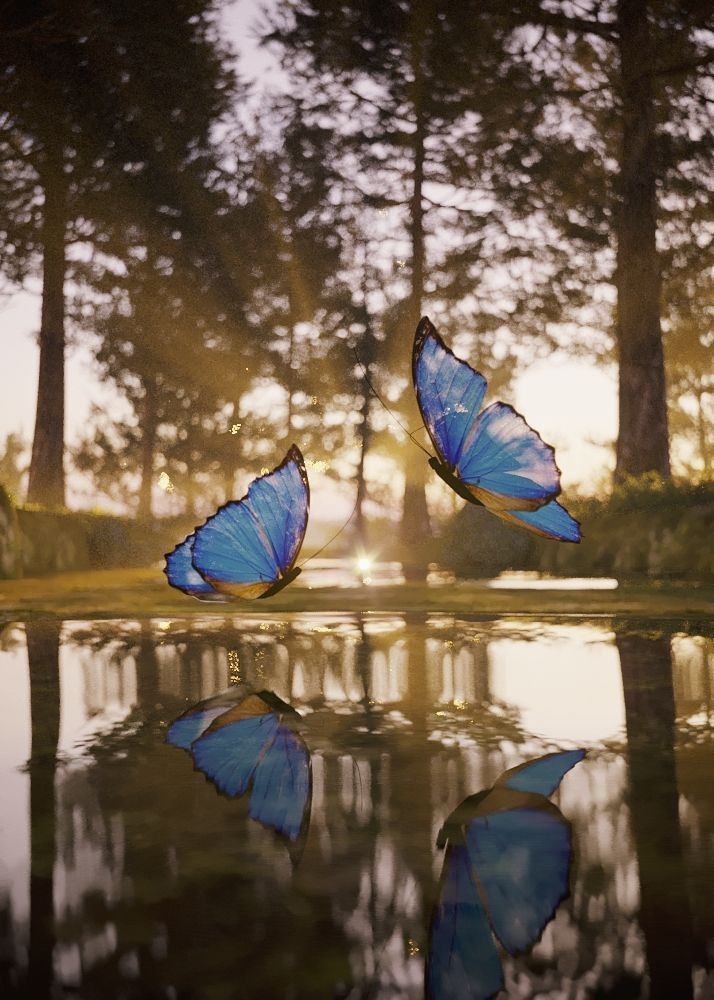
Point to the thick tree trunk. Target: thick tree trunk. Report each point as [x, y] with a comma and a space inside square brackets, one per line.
[43, 663]
[415, 515]
[148, 447]
[46, 482]
[643, 438]
[664, 916]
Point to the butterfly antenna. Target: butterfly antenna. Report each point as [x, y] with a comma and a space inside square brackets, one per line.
[336, 535]
[410, 434]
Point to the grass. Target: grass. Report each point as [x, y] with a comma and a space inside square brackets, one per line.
[144, 593]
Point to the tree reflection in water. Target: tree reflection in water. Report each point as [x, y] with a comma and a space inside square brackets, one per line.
[160, 886]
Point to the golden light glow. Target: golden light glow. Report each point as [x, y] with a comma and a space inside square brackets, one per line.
[165, 483]
[235, 428]
[319, 465]
[364, 564]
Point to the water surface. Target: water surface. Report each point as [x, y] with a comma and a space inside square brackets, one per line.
[124, 873]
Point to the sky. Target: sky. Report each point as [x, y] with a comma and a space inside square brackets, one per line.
[573, 404]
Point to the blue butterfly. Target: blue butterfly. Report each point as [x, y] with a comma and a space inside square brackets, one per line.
[491, 457]
[506, 871]
[248, 547]
[250, 741]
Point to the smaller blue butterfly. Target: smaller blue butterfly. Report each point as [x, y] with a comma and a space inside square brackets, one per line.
[506, 871]
[248, 547]
[250, 742]
[489, 457]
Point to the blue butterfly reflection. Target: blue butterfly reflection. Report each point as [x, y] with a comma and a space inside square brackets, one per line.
[506, 870]
[248, 741]
[489, 457]
[248, 548]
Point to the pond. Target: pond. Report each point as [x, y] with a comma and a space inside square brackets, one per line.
[125, 872]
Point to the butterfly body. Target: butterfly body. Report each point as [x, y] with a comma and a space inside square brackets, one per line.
[506, 870]
[490, 457]
[248, 548]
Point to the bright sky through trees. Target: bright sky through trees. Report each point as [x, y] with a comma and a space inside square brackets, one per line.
[573, 404]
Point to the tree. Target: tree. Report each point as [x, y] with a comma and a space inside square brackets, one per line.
[100, 104]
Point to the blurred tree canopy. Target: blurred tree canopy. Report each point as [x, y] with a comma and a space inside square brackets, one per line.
[536, 176]
[103, 107]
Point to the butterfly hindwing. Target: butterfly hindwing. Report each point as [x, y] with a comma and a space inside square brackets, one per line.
[463, 961]
[550, 521]
[542, 775]
[187, 728]
[182, 574]
[248, 546]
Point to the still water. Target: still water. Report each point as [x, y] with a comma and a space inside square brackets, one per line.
[125, 873]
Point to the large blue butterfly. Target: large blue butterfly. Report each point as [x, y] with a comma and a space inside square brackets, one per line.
[506, 871]
[245, 742]
[490, 457]
[248, 547]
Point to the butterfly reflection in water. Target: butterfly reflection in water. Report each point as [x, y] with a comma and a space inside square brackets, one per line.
[506, 870]
[249, 741]
[491, 457]
[248, 547]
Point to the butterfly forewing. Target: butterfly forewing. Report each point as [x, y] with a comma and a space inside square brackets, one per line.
[250, 544]
[521, 860]
[449, 393]
[463, 961]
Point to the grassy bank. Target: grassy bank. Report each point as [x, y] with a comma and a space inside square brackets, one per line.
[144, 593]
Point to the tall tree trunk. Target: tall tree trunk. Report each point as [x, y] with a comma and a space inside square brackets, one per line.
[664, 916]
[43, 664]
[415, 515]
[46, 482]
[643, 437]
[149, 424]
[703, 433]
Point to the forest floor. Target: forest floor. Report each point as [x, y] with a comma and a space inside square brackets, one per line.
[144, 593]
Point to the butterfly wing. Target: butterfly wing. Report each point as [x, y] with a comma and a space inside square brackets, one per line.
[449, 392]
[462, 961]
[248, 547]
[550, 521]
[503, 462]
[506, 464]
[282, 789]
[233, 745]
[184, 730]
[520, 859]
[542, 775]
[182, 575]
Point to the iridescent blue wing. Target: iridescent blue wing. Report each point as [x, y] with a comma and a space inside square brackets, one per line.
[502, 461]
[184, 730]
[506, 464]
[282, 788]
[231, 749]
[187, 728]
[449, 393]
[181, 573]
[550, 521]
[542, 775]
[520, 858]
[463, 962]
[249, 546]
